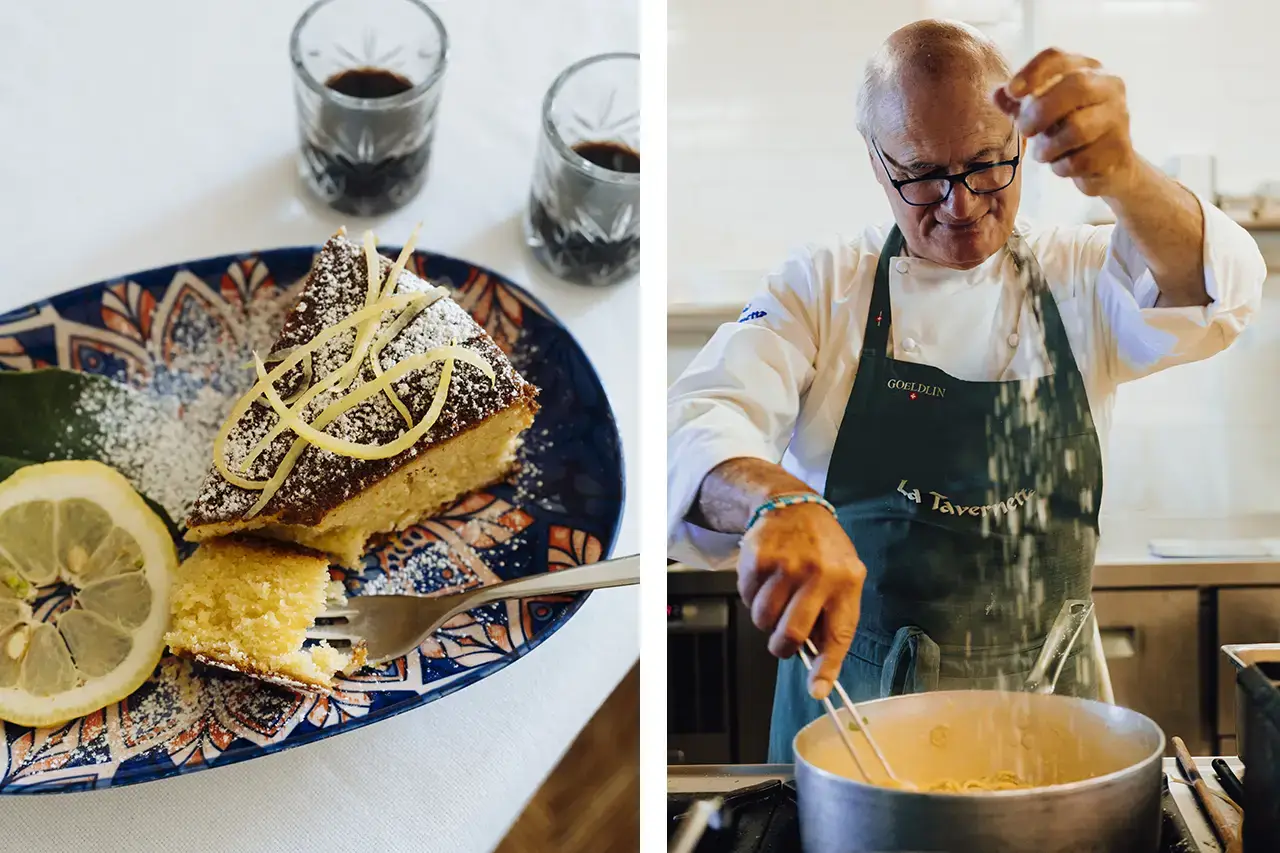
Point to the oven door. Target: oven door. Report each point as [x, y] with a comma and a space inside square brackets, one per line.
[699, 659]
[720, 675]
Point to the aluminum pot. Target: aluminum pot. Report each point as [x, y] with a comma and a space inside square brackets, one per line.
[1096, 768]
[1244, 656]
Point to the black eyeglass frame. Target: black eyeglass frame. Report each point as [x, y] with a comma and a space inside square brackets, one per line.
[953, 179]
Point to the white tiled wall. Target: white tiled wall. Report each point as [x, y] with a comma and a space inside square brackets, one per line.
[764, 155]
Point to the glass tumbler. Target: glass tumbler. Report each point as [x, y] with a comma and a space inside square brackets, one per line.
[367, 81]
[583, 221]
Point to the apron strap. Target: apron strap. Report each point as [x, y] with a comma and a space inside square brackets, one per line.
[875, 338]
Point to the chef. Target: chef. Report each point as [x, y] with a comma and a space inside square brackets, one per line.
[900, 440]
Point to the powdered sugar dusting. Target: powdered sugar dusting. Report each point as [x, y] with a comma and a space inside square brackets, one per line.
[413, 576]
[529, 485]
[160, 439]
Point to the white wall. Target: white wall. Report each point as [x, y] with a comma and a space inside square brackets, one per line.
[1201, 77]
[763, 150]
[764, 155]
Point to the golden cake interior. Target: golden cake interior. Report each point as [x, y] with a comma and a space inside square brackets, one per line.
[246, 604]
[471, 461]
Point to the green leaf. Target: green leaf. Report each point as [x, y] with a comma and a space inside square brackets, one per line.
[40, 421]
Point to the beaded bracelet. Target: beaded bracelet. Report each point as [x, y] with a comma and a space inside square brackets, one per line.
[779, 501]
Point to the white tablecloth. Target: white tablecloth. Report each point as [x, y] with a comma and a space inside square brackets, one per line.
[135, 133]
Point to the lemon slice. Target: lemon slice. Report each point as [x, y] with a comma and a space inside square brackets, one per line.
[80, 524]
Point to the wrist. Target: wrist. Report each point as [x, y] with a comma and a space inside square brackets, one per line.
[782, 500]
[1131, 185]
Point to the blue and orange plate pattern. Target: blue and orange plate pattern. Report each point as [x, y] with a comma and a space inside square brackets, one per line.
[187, 717]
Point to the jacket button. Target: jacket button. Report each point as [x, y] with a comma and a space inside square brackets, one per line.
[1013, 340]
[909, 344]
[902, 266]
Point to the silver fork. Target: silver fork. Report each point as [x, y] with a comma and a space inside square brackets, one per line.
[394, 625]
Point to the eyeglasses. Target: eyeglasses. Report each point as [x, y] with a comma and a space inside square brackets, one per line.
[922, 192]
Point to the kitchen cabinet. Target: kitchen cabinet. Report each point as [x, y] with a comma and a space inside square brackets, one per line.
[1154, 652]
[1244, 615]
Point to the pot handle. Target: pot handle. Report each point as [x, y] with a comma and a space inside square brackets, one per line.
[1072, 618]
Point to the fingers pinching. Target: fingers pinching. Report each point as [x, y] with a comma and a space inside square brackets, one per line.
[826, 666]
[1005, 102]
[1081, 128]
[1076, 90]
[1043, 67]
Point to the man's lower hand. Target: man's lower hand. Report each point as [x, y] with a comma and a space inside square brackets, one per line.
[802, 579]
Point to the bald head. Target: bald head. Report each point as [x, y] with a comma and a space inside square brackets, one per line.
[924, 53]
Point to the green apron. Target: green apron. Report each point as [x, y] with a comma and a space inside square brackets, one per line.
[973, 505]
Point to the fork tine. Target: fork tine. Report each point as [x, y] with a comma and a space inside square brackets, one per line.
[331, 632]
[338, 613]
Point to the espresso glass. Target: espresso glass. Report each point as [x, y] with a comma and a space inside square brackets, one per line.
[583, 220]
[367, 81]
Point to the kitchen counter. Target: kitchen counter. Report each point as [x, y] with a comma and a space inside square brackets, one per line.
[1125, 559]
[1186, 799]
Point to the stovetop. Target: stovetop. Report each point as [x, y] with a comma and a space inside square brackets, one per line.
[762, 818]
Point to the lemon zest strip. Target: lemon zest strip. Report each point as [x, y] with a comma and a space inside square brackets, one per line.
[312, 434]
[295, 357]
[357, 450]
[346, 374]
[389, 334]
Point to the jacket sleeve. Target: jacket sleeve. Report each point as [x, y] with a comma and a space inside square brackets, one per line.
[1141, 338]
[740, 397]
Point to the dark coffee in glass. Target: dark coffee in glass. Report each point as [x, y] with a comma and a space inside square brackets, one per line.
[368, 76]
[583, 222]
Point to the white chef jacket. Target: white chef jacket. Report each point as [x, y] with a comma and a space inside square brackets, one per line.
[774, 384]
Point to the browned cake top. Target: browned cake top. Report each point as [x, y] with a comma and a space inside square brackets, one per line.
[321, 479]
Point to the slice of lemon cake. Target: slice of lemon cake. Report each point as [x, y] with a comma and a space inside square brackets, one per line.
[245, 604]
[382, 403]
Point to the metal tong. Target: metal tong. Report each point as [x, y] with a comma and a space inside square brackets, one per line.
[858, 721]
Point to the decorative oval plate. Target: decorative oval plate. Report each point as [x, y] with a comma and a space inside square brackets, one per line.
[562, 509]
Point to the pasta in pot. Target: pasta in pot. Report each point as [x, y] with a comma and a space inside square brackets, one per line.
[1005, 780]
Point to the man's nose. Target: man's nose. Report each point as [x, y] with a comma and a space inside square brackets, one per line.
[962, 205]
